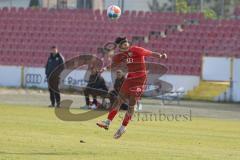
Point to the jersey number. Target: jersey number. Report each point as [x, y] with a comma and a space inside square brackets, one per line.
[129, 60]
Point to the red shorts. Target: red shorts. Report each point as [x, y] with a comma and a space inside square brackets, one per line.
[134, 85]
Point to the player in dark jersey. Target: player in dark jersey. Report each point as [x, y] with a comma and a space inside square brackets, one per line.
[134, 84]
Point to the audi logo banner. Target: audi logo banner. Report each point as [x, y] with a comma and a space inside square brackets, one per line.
[35, 77]
[32, 78]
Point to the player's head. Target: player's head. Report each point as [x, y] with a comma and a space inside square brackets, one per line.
[119, 74]
[94, 70]
[54, 49]
[122, 43]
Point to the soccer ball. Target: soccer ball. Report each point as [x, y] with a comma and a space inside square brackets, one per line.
[113, 12]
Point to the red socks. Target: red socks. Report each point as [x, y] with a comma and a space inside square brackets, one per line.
[126, 119]
[112, 114]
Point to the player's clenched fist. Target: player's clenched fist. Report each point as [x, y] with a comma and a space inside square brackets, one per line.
[163, 55]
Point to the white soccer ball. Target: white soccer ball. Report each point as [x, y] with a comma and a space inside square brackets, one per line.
[113, 12]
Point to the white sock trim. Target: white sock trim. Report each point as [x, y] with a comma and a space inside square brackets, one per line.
[109, 121]
[122, 127]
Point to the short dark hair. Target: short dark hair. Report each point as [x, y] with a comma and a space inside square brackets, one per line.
[119, 71]
[53, 47]
[120, 40]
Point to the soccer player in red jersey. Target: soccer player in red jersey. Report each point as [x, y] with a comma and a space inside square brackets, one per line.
[134, 84]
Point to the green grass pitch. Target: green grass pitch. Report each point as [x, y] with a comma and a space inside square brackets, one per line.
[35, 133]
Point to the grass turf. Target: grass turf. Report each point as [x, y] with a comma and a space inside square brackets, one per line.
[30, 132]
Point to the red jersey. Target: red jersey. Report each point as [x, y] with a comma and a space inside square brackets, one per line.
[134, 58]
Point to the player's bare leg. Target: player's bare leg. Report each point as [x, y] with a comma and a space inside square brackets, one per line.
[127, 118]
[112, 113]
